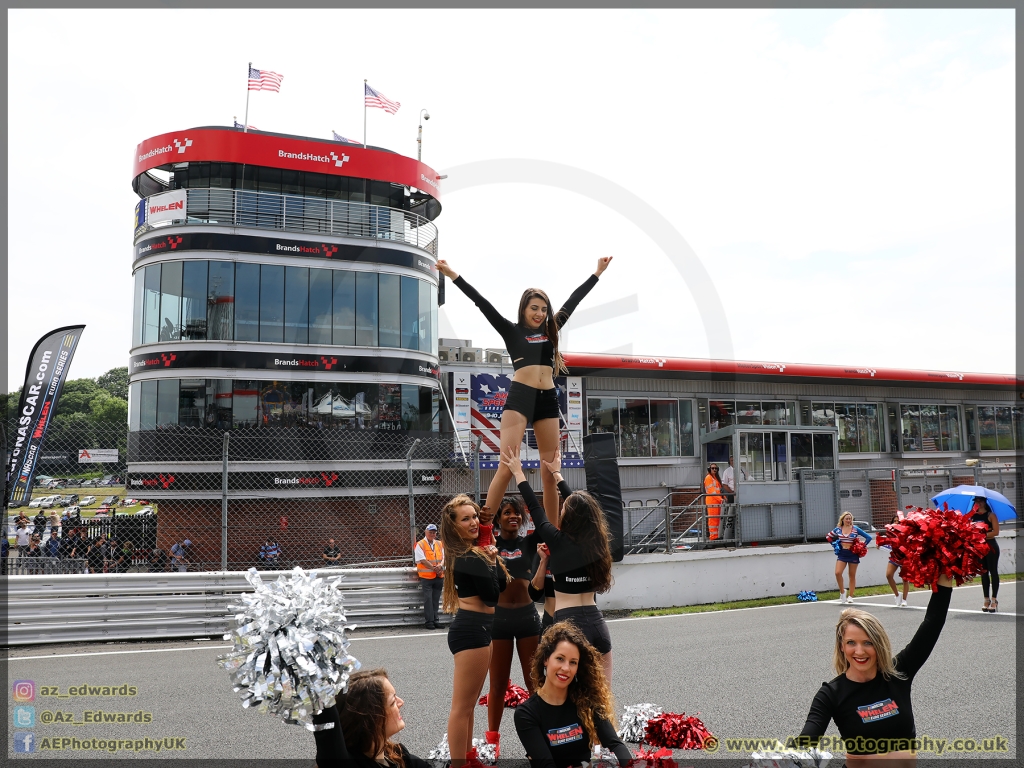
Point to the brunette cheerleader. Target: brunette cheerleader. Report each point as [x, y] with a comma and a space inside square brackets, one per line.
[532, 342]
[581, 560]
[516, 623]
[474, 578]
[892, 567]
[843, 538]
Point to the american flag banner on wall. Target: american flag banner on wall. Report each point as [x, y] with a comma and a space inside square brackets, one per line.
[264, 80]
[375, 98]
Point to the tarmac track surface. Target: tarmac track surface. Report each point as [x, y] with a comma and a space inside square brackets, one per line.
[748, 673]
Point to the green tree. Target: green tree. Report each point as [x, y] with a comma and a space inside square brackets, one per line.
[115, 382]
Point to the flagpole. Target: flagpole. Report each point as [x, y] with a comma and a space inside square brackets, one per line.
[364, 113]
[245, 127]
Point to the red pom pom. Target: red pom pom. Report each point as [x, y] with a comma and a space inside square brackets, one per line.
[653, 758]
[859, 548]
[937, 542]
[677, 731]
[514, 696]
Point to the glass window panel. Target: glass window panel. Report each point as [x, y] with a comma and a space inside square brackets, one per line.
[291, 182]
[773, 413]
[316, 184]
[664, 427]
[987, 427]
[425, 328]
[270, 180]
[271, 302]
[296, 305]
[167, 404]
[434, 332]
[823, 414]
[320, 300]
[192, 403]
[170, 301]
[801, 450]
[218, 403]
[193, 300]
[910, 419]
[151, 319]
[413, 412]
[869, 420]
[147, 405]
[846, 419]
[635, 427]
[1018, 427]
[390, 311]
[134, 406]
[603, 417]
[1004, 429]
[138, 306]
[389, 407]
[748, 413]
[357, 191]
[686, 428]
[410, 313]
[752, 457]
[930, 439]
[823, 455]
[345, 307]
[780, 465]
[950, 422]
[245, 396]
[721, 413]
[220, 300]
[247, 302]
[366, 309]
[270, 406]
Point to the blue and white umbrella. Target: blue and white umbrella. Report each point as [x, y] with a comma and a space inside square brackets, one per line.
[962, 498]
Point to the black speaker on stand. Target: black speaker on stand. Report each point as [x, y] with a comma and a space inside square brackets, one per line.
[602, 468]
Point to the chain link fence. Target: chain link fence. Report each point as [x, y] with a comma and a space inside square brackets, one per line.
[266, 498]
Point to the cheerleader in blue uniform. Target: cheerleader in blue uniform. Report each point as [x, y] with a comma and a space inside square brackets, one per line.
[843, 538]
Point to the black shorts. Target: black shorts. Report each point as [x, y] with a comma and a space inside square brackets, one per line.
[546, 621]
[470, 629]
[590, 621]
[516, 623]
[534, 404]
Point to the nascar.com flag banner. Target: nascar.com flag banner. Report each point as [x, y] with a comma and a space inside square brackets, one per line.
[47, 369]
[167, 206]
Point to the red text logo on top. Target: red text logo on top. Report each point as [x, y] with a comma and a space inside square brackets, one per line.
[175, 206]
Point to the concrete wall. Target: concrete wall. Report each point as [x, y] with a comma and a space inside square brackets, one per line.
[693, 578]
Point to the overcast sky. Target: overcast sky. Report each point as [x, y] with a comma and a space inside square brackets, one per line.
[846, 178]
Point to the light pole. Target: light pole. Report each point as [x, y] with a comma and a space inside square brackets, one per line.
[424, 115]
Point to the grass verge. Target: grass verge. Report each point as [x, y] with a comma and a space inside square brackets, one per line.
[833, 594]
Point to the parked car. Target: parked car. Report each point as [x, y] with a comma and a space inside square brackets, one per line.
[69, 499]
[89, 483]
[87, 501]
[102, 512]
[146, 512]
[43, 502]
[110, 500]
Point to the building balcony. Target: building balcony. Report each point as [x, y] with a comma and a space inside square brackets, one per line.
[294, 213]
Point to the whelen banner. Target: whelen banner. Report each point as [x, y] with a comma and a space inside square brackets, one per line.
[47, 369]
[166, 207]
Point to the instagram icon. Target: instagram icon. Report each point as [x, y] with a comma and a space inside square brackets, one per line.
[23, 690]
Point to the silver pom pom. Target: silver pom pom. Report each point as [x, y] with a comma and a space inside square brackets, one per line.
[290, 656]
[634, 721]
[789, 758]
[485, 752]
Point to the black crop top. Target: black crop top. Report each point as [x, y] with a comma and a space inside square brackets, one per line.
[879, 709]
[568, 562]
[475, 577]
[526, 346]
[553, 736]
[518, 554]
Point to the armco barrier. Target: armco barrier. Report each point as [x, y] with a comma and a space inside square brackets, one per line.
[82, 608]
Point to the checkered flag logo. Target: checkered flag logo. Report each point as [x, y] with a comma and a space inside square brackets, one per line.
[329, 250]
[182, 145]
[328, 364]
[339, 161]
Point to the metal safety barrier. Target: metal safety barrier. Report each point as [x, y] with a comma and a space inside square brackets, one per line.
[158, 606]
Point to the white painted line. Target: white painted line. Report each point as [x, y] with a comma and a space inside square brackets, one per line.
[924, 608]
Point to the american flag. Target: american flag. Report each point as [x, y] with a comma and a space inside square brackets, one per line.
[264, 80]
[339, 137]
[377, 99]
[251, 127]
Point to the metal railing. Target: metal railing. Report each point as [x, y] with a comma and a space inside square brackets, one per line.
[82, 608]
[314, 215]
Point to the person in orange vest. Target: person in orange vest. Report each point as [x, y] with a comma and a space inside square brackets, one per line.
[713, 499]
[429, 557]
